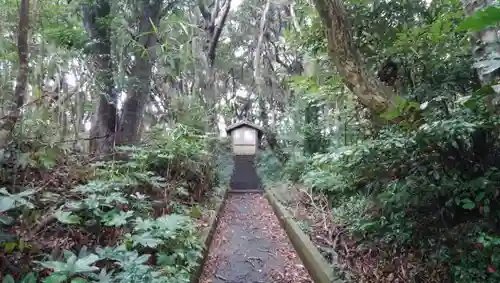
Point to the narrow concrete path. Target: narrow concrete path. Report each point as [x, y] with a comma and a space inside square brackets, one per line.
[249, 246]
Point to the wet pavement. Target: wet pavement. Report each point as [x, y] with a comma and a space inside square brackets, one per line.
[249, 246]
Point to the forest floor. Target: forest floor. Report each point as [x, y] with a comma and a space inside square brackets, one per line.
[40, 234]
[353, 260]
[249, 245]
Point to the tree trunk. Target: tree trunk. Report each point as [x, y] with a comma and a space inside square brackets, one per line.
[140, 78]
[269, 134]
[104, 125]
[372, 93]
[313, 137]
[9, 120]
[486, 47]
[137, 96]
[103, 129]
[213, 24]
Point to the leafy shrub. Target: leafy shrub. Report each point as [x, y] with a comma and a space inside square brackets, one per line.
[297, 164]
[180, 155]
[426, 187]
[412, 186]
[268, 166]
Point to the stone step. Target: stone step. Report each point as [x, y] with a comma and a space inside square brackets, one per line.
[245, 175]
[253, 191]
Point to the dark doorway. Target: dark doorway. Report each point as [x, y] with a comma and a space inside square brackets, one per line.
[245, 177]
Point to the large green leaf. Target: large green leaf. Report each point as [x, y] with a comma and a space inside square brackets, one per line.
[83, 265]
[30, 278]
[67, 217]
[482, 19]
[6, 203]
[117, 219]
[55, 278]
[146, 240]
[8, 279]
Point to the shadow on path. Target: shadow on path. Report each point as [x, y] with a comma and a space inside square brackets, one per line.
[249, 246]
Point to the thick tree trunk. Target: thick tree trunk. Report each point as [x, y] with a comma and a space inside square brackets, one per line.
[372, 93]
[140, 78]
[9, 121]
[486, 47]
[137, 97]
[104, 122]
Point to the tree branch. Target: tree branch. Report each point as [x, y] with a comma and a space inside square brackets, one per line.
[169, 7]
[203, 10]
[345, 55]
[22, 76]
[217, 33]
[256, 62]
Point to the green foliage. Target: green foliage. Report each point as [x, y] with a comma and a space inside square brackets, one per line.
[408, 187]
[29, 278]
[387, 188]
[81, 264]
[8, 203]
[489, 16]
[61, 26]
[147, 197]
[269, 168]
[427, 184]
[181, 155]
[296, 165]
[173, 238]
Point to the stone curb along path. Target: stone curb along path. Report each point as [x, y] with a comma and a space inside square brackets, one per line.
[312, 259]
[250, 246]
[207, 235]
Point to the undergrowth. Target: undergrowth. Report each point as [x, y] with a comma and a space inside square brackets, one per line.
[133, 219]
[420, 198]
[412, 194]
